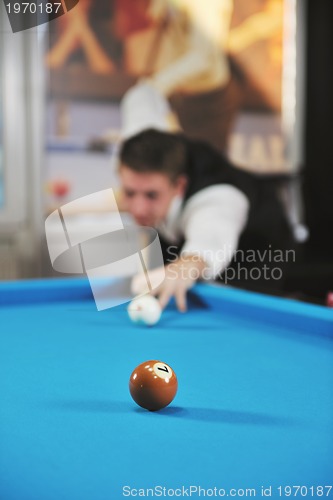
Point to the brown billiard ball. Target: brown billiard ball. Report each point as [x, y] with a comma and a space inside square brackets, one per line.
[329, 299]
[153, 385]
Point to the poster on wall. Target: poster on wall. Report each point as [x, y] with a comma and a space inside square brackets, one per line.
[219, 64]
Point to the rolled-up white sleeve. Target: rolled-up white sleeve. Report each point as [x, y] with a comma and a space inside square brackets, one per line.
[197, 61]
[213, 221]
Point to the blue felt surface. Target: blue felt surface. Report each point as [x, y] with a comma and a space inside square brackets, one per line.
[254, 406]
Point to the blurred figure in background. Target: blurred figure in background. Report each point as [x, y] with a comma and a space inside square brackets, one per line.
[163, 42]
[182, 58]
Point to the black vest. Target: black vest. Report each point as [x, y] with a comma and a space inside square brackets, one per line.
[267, 222]
[207, 167]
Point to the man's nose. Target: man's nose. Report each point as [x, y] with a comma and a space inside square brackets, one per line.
[141, 207]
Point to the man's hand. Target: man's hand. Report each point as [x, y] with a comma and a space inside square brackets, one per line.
[180, 276]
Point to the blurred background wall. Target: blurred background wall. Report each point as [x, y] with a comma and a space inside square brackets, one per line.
[62, 83]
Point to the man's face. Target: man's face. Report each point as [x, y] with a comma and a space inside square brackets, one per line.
[147, 196]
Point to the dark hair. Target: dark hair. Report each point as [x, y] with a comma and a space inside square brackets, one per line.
[155, 151]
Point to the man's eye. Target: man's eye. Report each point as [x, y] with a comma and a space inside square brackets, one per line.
[129, 194]
[152, 195]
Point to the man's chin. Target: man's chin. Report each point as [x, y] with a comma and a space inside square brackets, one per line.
[145, 223]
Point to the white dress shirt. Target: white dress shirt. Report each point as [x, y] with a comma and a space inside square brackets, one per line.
[211, 223]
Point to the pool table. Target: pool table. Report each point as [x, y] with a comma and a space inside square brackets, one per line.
[253, 415]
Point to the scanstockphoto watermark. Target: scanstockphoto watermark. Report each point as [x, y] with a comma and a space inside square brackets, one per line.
[227, 264]
[188, 491]
[24, 15]
[195, 491]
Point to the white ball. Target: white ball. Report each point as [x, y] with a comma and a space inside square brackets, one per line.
[145, 310]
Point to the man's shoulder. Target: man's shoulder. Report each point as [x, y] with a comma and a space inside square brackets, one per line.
[206, 155]
[198, 149]
[207, 166]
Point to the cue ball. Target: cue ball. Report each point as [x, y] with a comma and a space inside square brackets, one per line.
[145, 310]
[153, 385]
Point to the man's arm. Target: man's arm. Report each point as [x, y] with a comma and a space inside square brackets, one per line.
[212, 222]
[180, 276]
